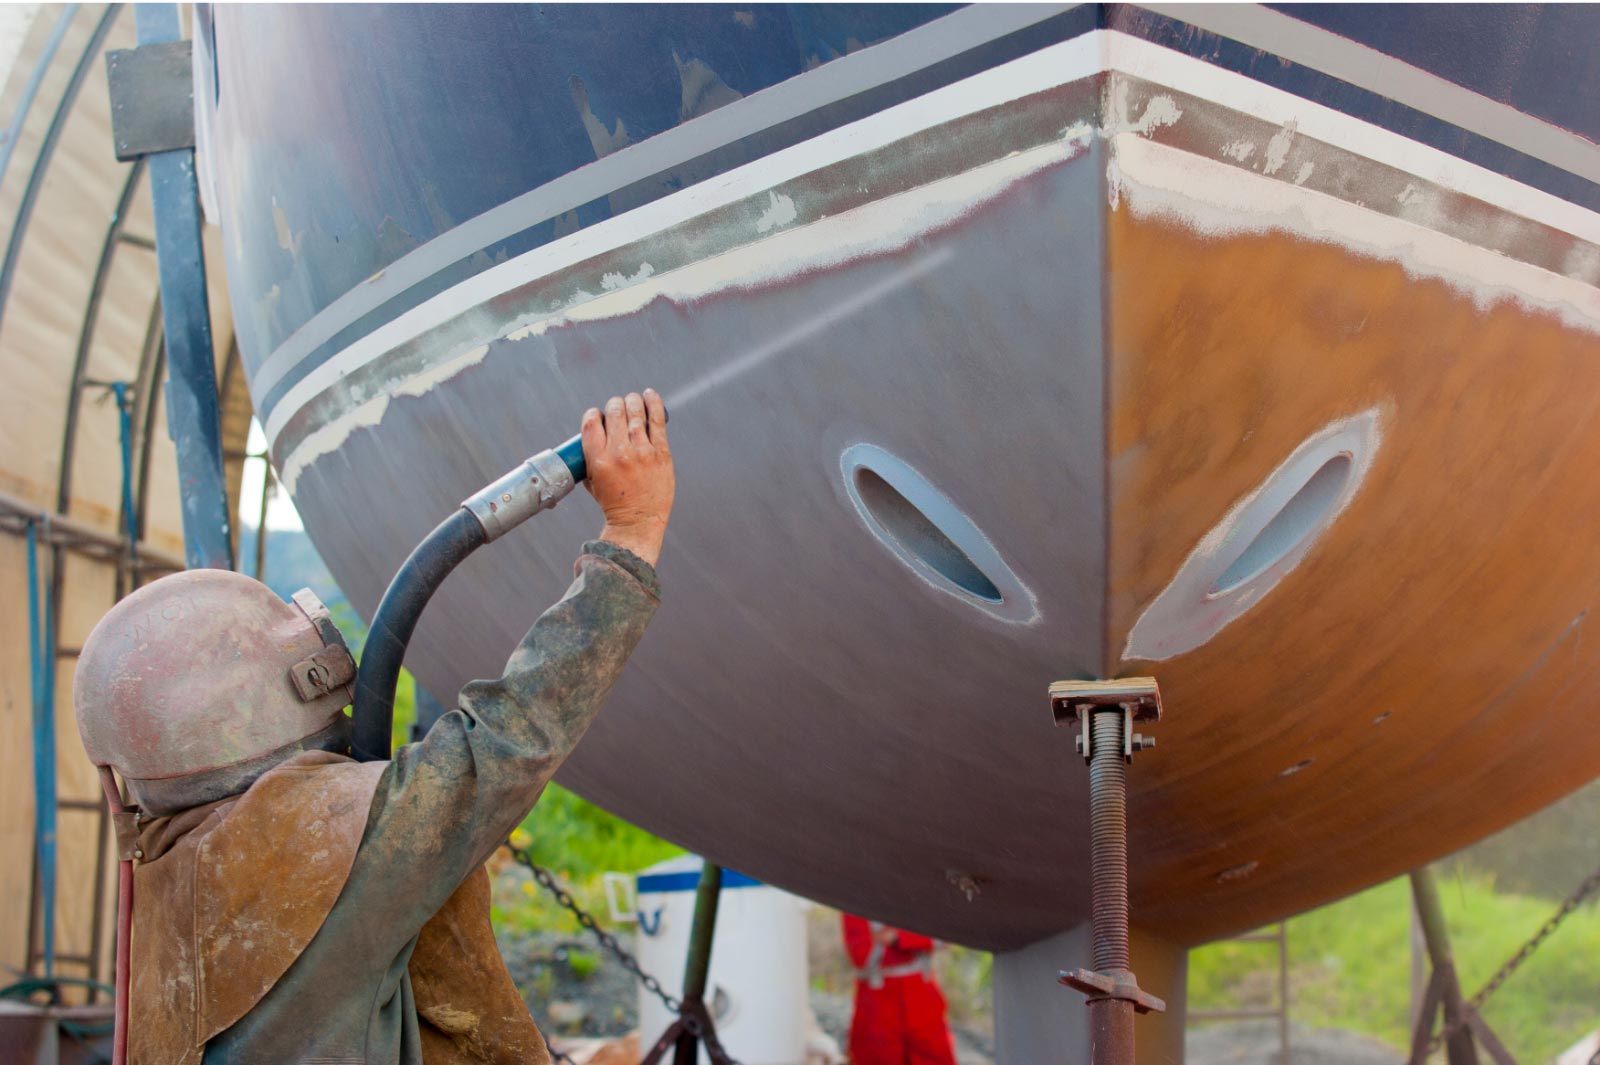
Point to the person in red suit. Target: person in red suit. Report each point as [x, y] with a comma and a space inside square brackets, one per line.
[900, 1011]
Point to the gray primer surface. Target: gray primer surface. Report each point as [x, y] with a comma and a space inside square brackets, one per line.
[754, 726]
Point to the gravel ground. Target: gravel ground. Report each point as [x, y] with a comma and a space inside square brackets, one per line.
[576, 990]
[1256, 1043]
[570, 985]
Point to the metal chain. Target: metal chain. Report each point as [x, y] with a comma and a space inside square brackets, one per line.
[557, 1055]
[548, 881]
[1573, 901]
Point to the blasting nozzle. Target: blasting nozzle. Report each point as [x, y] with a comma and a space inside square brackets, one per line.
[539, 483]
[572, 454]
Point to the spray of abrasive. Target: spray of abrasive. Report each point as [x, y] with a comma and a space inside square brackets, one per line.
[798, 333]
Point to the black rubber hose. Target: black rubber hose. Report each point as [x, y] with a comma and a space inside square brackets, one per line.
[440, 552]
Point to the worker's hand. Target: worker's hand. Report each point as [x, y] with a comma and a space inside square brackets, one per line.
[887, 936]
[630, 470]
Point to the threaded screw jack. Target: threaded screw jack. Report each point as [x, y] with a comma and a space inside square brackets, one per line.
[1104, 713]
[1108, 827]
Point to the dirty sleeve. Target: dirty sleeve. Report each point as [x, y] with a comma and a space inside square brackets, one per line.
[445, 803]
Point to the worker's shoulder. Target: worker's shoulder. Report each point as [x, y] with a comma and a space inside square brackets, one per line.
[315, 780]
[309, 761]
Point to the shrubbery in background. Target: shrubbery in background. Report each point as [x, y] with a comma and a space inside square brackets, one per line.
[1350, 966]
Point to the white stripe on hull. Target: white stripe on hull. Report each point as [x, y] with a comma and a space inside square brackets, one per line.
[1284, 206]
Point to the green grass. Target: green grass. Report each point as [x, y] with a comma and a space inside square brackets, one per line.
[583, 963]
[579, 842]
[1350, 966]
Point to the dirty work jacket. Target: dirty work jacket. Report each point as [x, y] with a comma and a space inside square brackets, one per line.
[378, 849]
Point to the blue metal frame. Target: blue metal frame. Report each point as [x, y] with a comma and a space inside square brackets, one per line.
[42, 615]
[193, 407]
[42, 655]
[130, 515]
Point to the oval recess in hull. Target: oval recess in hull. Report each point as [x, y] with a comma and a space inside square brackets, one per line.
[1086, 305]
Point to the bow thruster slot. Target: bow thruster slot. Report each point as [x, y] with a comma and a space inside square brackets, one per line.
[1300, 517]
[923, 528]
[1260, 540]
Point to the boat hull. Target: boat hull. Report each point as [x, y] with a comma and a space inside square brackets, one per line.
[1188, 375]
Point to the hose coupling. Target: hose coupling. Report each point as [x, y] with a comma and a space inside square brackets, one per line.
[538, 484]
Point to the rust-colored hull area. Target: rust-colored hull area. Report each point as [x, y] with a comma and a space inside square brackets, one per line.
[1428, 659]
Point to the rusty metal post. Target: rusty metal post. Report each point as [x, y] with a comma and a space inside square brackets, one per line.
[1110, 1019]
[1104, 712]
[695, 1026]
[1445, 986]
[697, 967]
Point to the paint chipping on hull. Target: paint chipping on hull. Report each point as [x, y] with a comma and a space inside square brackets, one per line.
[779, 213]
[329, 438]
[1278, 150]
[613, 282]
[1219, 200]
[880, 228]
[1239, 151]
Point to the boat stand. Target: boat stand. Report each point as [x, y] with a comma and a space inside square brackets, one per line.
[1105, 713]
[1464, 1029]
[694, 1025]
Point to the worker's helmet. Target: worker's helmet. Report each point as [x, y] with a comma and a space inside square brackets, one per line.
[196, 684]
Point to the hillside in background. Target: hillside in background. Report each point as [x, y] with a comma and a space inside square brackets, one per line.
[292, 563]
[1547, 855]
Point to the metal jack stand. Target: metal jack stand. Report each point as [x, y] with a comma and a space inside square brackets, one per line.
[694, 1024]
[1464, 1028]
[1105, 712]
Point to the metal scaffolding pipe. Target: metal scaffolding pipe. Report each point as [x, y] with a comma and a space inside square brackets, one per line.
[58, 529]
